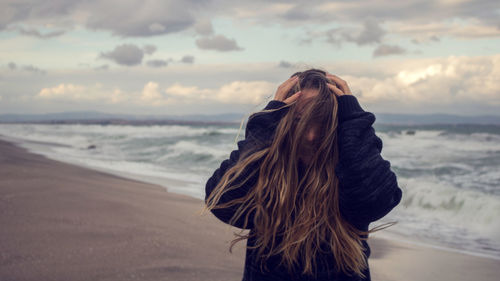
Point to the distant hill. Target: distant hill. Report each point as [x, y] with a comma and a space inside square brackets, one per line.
[420, 119]
[100, 118]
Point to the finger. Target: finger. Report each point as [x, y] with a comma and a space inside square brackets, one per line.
[289, 83]
[342, 84]
[336, 90]
[336, 79]
[293, 97]
[285, 87]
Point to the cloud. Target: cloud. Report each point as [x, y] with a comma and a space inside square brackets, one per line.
[246, 92]
[386, 50]
[370, 33]
[285, 64]
[433, 83]
[146, 18]
[218, 43]
[455, 84]
[81, 93]
[413, 12]
[432, 38]
[126, 54]
[35, 33]
[204, 27]
[34, 69]
[152, 94]
[29, 68]
[143, 18]
[63, 91]
[158, 17]
[431, 31]
[149, 49]
[187, 59]
[236, 92]
[157, 63]
[301, 13]
[102, 67]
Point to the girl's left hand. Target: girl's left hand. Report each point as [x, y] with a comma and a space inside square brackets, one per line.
[340, 87]
[284, 88]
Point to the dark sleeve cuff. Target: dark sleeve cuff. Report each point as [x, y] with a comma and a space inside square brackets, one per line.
[261, 125]
[348, 104]
[274, 104]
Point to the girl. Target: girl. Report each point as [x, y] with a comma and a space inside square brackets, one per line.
[307, 180]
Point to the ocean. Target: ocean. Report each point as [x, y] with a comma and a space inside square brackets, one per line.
[449, 174]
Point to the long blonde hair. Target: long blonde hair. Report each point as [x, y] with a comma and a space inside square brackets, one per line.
[305, 211]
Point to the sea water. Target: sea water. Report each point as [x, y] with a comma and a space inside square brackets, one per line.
[449, 174]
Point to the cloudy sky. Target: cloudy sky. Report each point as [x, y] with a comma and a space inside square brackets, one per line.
[219, 56]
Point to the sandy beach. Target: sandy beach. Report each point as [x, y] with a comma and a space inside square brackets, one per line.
[64, 222]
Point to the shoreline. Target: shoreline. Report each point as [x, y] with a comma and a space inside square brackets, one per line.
[43, 148]
[51, 211]
[172, 185]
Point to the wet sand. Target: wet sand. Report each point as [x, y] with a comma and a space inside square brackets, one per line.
[64, 222]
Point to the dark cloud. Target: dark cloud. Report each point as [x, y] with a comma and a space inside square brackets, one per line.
[123, 18]
[219, 43]
[38, 34]
[126, 54]
[187, 59]
[301, 13]
[157, 63]
[285, 64]
[386, 50]
[156, 17]
[12, 12]
[146, 18]
[29, 68]
[149, 49]
[370, 33]
[204, 27]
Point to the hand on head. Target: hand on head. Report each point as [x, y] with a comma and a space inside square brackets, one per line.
[284, 88]
[338, 86]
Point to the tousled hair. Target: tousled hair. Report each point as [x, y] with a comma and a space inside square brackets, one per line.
[303, 211]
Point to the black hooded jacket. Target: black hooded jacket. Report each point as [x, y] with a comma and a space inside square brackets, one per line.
[368, 188]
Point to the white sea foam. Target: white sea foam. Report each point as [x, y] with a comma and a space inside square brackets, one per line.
[427, 198]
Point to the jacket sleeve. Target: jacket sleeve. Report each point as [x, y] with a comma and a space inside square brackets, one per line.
[259, 132]
[368, 188]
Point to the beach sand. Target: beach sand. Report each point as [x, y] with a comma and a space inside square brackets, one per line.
[64, 222]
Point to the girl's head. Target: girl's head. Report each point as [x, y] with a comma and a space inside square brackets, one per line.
[313, 113]
[303, 211]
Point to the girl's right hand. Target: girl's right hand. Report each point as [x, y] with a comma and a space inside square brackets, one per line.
[340, 87]
[284, 88]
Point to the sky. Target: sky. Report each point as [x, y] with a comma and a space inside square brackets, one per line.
[229, 56]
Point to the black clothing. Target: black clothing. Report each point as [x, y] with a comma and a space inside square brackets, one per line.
[368, 189]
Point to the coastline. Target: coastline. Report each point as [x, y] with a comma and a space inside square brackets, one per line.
[63, 221]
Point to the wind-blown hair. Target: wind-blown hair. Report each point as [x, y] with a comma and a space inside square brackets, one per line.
[304, 212]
